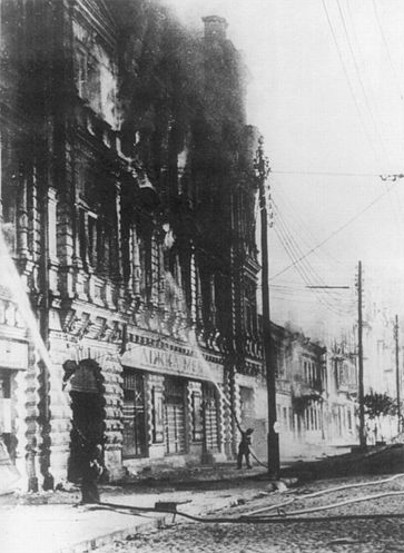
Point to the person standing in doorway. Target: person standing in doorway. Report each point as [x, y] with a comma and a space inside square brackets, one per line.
[92, 470]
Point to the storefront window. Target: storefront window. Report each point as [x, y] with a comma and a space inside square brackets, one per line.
[175, 415]
[197, 417]
[6, 437]
[134, 415]
[5, 405]
[158, 416]
[211, 423]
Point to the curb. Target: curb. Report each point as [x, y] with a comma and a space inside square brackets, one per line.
[90, 544]
[157, 523]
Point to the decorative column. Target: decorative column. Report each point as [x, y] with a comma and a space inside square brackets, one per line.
[155, 273]
[155, 411]
[67, 228]
[162, 279]
[222, 419]
[58, 435]
[22, 230]
[34, 235]
[113, 394]
[52, 242]
[193, 287]
[212, 301]
[118, 241]
[178, 291]
[199, 301]
[135, 264]
[24, 390]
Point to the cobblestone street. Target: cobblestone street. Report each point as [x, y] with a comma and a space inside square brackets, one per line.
[252, 538]
[365, 535]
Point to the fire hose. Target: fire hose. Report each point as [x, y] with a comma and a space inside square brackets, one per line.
[282, 516]
[170, 508]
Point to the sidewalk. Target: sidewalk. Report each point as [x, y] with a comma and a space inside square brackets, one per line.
[53, 523]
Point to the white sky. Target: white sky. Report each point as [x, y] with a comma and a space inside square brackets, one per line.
[325, 109]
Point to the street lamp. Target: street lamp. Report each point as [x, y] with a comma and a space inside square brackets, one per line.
[262, 170]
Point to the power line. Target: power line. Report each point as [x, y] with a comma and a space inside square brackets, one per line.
[360, 80]
[330, 174]
[337, 231]
[307, 273]
[302, 227]
[301, 287]
[317, 296]
[311, 272]
[392, 66]
[396, 206]
[350, 86]
[305, 270]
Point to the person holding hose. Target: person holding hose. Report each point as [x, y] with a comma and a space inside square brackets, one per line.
[244, 447]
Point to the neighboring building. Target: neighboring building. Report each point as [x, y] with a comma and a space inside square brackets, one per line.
[301, 398]
[342, 396]
[380, 372]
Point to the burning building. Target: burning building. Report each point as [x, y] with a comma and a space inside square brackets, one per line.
[128, 192]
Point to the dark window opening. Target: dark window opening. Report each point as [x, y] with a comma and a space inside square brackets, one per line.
[134, 415]
[175, 415]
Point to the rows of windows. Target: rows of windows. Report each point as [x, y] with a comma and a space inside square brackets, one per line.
[343, 419]
[312, 418]
[311, 373]
[289, 421]
[345, 375]
[285, 417]
[96, 243]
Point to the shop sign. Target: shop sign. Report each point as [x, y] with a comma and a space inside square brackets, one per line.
[13, 355]
[171, 362]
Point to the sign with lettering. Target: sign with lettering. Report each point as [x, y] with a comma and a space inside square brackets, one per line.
[171, 362]
[13, 355]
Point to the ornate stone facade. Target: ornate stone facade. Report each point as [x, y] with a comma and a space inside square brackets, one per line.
[128, 209]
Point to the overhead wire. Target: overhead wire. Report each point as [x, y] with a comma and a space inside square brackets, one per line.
[302, 229]
[323, 173]
[319, 298]
[395, 205]
[348, 80]
[333, 32]
[387, 48]
[360, 80]
[335, 232]
[305, 270]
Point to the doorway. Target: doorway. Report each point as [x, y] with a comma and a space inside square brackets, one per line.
[88, 414]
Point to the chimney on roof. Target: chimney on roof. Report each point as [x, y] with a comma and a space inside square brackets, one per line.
[215, 27]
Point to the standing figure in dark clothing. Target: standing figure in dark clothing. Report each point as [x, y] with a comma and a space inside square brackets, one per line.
[92, 469]
[244, 448]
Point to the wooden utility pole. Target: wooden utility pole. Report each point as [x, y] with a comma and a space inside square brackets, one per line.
[398, 375]
[262, 171]
[362, 436]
